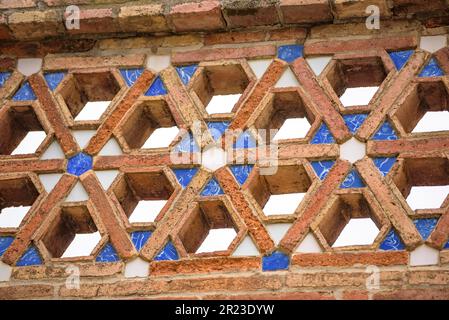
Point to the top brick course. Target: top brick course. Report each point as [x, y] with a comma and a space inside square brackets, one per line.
[20, 17]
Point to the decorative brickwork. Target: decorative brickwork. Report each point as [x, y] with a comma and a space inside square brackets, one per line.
[159, 67]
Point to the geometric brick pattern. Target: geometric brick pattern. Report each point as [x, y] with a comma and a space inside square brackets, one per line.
[96, 185]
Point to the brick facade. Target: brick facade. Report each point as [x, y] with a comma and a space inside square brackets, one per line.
[137, 56]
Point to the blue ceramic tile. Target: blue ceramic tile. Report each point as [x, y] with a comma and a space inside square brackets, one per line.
[354, 121]
[352, 180]
[187, 144]
[432, 69]
[385, 132]
[400, 58]
[446, 246]
[31, 257]
[290, 53]
[186, 73]
[3, 77]
[79, 164]
[323, 136]
[5, 242]
[241, 172]
[384, 164]
[322, 168]
[157, 88]
[217, 128]
[131, 75]
[184, 176]
[53, 79]
[425, 226]
[276, 261]
[392, 242]
[167, 253]
[107, 254]
[212, 188]
[139, 238]
[25, 93]
[245, 141]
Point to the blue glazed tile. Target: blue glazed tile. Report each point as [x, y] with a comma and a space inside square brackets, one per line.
[107, 254]
[245, 141]
[385, 132]
[241, 172]
[217, 128]
[186, 73]
[25, 93]
[79, 164]
[400, 58]
[184, 176]
[384, 164]
[31, 257]
[290, 53]
[354, 121]
[212, 188]
[432, 69]
[323, 136]
[275, 261]
[157, 88]
[139, 238]
[3, 77]
[167, 253]
[352, 180]
[5, 242]
[446, 246]
[53, 79]
[187, 144]
[425, 226]
[392, 242]
[131, 75]
[322, 168]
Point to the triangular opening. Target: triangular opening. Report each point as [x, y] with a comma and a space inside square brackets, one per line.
[157, 88]
[167, 253]
[212, 188]
[107, 254]
[131, 75]
[322, 168]
[111, 148]
[246, 248]
[323, 135]
[53, 151]
[309, 245]
[77, 194]
[140, 238]
[278, 230]
[184, 176]
[31, 257]
[83, 137]
[106, 177]
[352, 180]
[217, 128]
[317, 64]
[53, 79]
[400, 58]
[241, 172]
[385, 132]
[25, 93]
[259, 66]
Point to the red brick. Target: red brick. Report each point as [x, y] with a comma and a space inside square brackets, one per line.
[305, 11]
[247, 14]
[147, 18]
[350, 259]
[413, 294]
[5, 33]
[15, 4]
[192, 16]
[95, 21]
[35, 24]
[207, 265]
[26, 291]
[226, 53]
[345, 9]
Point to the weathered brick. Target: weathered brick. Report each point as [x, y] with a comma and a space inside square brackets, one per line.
[26, 291]
[94, 21]
[247, 14]
[147, 18]
[36, 24]
[354, 9]
[305, 11]
[191, 16]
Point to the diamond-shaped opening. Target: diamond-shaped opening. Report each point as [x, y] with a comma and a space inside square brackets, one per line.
[22, 132]
[286, 112]
[356, 81]
[350, 221]
[282, 192]
[143, 195]
[17, 195]
[425, 109]
[219, 87]
[72, 233]
[424, 182]
[150, 124]
[87, 95]
[209, 228]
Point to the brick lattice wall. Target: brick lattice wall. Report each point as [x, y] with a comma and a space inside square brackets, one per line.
[207, 48]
